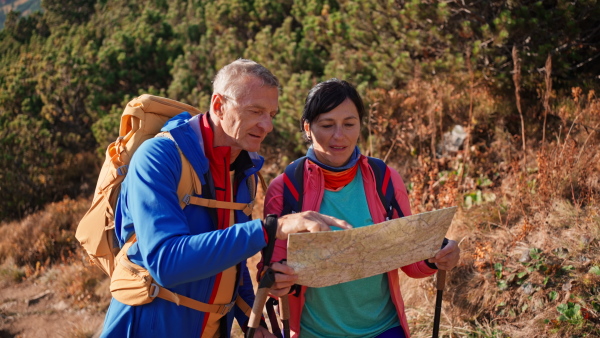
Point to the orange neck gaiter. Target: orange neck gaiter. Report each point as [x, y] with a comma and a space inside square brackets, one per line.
[337, 180]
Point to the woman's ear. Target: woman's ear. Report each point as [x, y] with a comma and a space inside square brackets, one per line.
[307, 131]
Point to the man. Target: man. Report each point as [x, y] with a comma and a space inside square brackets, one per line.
[200, 252]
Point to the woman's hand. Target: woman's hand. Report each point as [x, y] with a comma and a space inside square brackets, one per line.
[261, 332]
[448, 257]
[285, 277]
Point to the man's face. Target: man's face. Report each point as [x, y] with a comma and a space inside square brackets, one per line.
[248, 119]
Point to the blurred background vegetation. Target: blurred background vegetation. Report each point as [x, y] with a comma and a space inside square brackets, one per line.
[489, 105]
[66, 72]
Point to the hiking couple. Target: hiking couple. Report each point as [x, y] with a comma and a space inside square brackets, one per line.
[200, 252]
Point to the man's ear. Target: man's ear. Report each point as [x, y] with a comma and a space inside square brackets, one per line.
[216, 104]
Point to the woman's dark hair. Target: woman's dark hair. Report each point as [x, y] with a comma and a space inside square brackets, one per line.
[327, 95]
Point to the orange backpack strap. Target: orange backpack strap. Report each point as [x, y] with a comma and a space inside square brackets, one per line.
[209, 203]
[243, 306]
[263, 184]
[156, 290]
[202, 307]
[190, 185]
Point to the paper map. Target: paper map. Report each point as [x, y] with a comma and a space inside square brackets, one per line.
[332, 257]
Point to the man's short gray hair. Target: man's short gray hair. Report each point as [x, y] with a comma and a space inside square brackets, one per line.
[229, 80]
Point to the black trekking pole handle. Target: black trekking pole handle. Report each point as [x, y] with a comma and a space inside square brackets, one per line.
[441, 281]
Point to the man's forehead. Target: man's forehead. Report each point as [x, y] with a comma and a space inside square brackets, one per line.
[260, 98]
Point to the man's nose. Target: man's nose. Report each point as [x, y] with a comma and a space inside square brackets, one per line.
[266, 123]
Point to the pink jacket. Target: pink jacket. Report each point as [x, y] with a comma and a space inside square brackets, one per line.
[313, 195]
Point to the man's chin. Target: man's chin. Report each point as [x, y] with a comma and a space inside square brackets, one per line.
[252, 148]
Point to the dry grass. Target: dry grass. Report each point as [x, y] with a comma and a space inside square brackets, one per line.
[530, 252]
[43, 238]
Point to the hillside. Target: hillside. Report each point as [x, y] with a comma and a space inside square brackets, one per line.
[530, 264]
[489, 106]
[25, 7]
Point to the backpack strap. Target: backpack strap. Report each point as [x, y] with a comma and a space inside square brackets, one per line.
[246, 208]
[293, 187]
[263, 184]
[385, 187]
[202, 307]
[161, 292]
[190, 185]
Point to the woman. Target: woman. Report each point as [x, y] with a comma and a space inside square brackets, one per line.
[336, 176]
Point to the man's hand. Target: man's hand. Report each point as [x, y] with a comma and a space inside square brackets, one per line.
[448, 257]
[285, 277]
[307, 221]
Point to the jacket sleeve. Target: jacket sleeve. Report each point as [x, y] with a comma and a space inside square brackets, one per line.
[418, 269]
[166, 246]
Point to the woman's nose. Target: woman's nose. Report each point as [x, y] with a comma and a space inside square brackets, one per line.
[338, 132]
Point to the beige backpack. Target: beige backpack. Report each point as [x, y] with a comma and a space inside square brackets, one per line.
[131, 284]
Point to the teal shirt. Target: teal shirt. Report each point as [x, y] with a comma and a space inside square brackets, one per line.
[360, 308]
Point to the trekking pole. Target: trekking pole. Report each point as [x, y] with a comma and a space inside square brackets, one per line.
[262, 294]
[266, 283]
[285, 315]
[441, 281]
[270, 307]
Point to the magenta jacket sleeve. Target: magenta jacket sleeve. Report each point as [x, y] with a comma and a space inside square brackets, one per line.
[274, 205]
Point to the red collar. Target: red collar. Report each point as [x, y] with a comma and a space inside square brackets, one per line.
[218, 159]
[212, 153]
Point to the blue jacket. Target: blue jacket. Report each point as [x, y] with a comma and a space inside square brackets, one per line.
[180, 248]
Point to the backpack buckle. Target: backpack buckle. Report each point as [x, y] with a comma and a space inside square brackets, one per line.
[248, 208]
[122, 170]
[154, 289]
[226, 308]
[186, 199]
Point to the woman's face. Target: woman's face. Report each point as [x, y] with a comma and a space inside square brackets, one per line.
[334, 134]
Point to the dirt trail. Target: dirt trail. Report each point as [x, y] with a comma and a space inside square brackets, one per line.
[34, 308]
[30, 309]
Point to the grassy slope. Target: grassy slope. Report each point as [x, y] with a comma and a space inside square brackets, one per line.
[530, 240]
